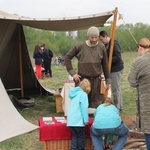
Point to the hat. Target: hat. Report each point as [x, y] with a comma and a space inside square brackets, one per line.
[93, 31]
[144, 42]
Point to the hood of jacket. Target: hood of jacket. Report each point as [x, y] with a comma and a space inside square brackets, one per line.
[74, 92]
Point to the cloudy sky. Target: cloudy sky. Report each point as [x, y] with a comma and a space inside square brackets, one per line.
[133, 11]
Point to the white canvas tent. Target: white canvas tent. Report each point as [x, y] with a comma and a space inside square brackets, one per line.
[16, 71]
[12, 123]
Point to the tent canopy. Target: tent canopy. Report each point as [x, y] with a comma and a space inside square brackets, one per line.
[60, 24]
[16, 70]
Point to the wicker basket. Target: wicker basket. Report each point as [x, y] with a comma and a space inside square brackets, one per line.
[64, 145]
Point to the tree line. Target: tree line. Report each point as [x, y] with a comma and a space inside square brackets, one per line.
[62, 42]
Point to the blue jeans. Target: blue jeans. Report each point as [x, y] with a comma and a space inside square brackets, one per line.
[78, 138]
[121, 131]
[147, 140]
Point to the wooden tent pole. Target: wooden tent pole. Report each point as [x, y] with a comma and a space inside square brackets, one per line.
[112, 37]
[20, 63]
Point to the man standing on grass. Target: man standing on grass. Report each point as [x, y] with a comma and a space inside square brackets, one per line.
[47, 58]
[92, 61]
[116, 68]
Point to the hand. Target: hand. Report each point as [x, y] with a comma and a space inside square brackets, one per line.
[85, 123]
[76, 78]
[108, 86]
[108, 145]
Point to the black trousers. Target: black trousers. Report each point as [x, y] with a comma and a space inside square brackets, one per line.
[78, 138]
[47, 67]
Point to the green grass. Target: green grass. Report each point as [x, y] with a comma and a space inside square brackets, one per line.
[127, 91]
[45, 106]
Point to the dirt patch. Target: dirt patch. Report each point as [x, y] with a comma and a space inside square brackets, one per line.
[136, 139]
[129, 120]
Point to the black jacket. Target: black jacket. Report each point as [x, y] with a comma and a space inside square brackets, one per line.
[47, 54]
[38, 58]
[117, 62]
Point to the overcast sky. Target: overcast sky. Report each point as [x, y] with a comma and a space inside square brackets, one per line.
[133, 11]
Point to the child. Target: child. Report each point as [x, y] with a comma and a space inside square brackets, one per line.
[78, 114]
[108, 122]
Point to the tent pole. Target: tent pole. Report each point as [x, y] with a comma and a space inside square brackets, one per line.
[20, 62]
[112, 37]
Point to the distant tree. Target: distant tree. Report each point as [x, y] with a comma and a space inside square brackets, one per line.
[81, 35]
[64, 42]
[131, 34]
[60, 42]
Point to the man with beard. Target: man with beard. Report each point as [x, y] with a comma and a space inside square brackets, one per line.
[92, 61]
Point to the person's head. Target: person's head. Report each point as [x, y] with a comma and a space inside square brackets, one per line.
[93, 34]
[37, 49]
[85, 85]
[42, 47]
[143, 46]
[104, 37]
[108, 101]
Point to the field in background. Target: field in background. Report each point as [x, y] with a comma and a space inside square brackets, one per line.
[45, 106]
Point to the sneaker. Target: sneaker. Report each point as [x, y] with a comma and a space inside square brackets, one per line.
[120, 110]
[47, 75]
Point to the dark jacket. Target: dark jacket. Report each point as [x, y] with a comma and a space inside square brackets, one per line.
[47, 54]
[117, 62]
[38, 58]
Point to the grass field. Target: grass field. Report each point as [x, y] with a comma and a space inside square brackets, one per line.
[45, 106]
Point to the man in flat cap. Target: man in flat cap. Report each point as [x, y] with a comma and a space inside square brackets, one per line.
[92, 61]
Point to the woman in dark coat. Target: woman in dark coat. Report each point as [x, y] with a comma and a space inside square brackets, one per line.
[139, 77]
[37, 55]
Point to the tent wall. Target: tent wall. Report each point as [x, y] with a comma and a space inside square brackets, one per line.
[10, 58]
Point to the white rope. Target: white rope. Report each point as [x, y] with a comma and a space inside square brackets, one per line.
[130, 32]
[120, 16]
[124, 41]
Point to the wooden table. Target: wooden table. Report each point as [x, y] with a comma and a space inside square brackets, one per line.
[64, 94]
[62, 99]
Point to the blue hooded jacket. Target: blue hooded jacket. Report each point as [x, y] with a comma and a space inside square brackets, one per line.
[78, 110]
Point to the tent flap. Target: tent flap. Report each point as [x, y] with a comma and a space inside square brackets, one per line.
[60, 24]
[10, 59]
[12, 123]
